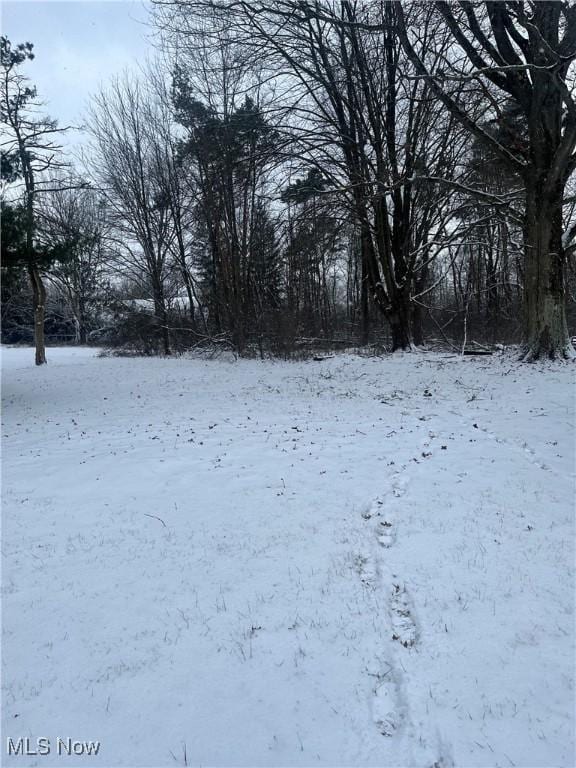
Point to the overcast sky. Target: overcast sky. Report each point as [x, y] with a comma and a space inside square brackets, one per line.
[78, 44]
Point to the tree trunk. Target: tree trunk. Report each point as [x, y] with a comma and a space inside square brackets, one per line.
[400, 326]
[77, 331]
[39, 304]
[161, 317]
[190, 294]
[165, 333]
[545, 327]
[417, 325]
[80, 333]
[238, 333]
[364, 305]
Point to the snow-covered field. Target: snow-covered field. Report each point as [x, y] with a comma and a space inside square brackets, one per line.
[360, 561]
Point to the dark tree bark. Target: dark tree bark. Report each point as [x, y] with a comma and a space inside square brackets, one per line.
[38, 289]
[39, 305]
[544, 277]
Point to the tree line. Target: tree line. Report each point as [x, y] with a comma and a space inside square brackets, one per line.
[295, 174]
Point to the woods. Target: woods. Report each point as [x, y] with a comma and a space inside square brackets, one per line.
[288, 343]
[291, 175]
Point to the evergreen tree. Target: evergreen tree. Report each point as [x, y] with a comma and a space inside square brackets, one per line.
[29, 153]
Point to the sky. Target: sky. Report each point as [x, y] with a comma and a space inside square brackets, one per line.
[79, 44]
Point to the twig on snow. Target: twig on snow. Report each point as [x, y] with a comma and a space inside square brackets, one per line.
[156, 518]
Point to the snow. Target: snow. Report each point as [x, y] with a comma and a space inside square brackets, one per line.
[356, 561]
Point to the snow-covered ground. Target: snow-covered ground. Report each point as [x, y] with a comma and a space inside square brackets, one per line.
[360, 561]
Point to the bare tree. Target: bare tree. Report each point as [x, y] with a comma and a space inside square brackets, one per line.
[521, 53]
[126, 162]
[73, 222]
[178, 187]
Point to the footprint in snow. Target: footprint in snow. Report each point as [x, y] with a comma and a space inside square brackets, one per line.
[399, 486]
[384, 528]
[366, 569]
[385, 533]
[374, 509]
[403, 625]
[443, 762]
[385, 712]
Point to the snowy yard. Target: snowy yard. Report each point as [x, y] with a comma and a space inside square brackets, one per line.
[354, 562]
